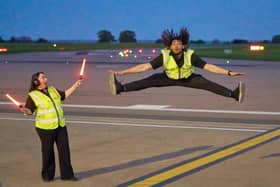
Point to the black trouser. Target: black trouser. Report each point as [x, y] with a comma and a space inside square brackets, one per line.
[60, 137]
[194, 81]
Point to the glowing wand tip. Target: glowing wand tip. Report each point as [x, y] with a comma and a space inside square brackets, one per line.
[82, 69]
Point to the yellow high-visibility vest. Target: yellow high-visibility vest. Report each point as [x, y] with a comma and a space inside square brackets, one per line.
[49, 113]
[171, 68]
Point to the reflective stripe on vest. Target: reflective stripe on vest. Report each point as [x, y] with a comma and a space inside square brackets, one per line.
[49, 113]
[45, 111]
[47, 121]
[171, 68]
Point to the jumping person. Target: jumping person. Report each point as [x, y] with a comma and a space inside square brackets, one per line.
[179, 64]
[45, 102]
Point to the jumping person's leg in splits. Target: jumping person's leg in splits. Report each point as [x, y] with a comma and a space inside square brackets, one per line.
[199, 82]
[161, 80]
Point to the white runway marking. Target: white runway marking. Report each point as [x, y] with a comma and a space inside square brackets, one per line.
[147, 125]
[151, 107]
[165, 108]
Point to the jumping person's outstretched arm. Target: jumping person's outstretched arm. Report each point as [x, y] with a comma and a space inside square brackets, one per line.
[70, 90]
[216, 69]
[135, 69]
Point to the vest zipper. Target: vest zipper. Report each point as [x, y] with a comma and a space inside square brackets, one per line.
[55, 110]
[179, 72]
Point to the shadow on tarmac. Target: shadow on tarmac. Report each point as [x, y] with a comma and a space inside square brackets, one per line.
[271, 156]
[134, 163]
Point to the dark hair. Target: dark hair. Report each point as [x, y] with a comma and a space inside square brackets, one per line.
[168, 36]
[34, 78]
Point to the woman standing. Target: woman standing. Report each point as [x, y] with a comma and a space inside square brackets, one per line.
[45, 103]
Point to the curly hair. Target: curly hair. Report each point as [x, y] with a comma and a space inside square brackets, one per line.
[168, 36]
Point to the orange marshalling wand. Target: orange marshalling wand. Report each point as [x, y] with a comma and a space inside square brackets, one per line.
[83, 69]
[14, 101]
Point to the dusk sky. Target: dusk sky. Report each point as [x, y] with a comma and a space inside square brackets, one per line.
[82, 19]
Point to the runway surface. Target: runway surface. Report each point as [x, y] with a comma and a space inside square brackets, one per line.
[169, 136]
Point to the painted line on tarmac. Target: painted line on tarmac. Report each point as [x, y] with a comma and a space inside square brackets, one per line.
[188, 167]
[146, 125]
[164, 108]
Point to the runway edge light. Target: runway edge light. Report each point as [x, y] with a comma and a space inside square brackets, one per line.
[3, 49]
[256, 47]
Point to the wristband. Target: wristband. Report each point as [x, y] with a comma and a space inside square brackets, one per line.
[229, 73]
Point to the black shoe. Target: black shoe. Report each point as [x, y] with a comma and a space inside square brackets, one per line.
[74, 178]
[239, 92]
[46, 179]
[115, 85]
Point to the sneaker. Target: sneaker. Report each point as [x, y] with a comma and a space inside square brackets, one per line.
[115, 85]
[239, 92]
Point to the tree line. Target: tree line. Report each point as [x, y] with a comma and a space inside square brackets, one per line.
[126, 36]
[130, 36]
[23, 39]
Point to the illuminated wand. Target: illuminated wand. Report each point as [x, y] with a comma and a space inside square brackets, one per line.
[14, 101]
[82, 69]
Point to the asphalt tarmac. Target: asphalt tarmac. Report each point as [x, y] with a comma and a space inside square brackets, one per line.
[169, 136]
